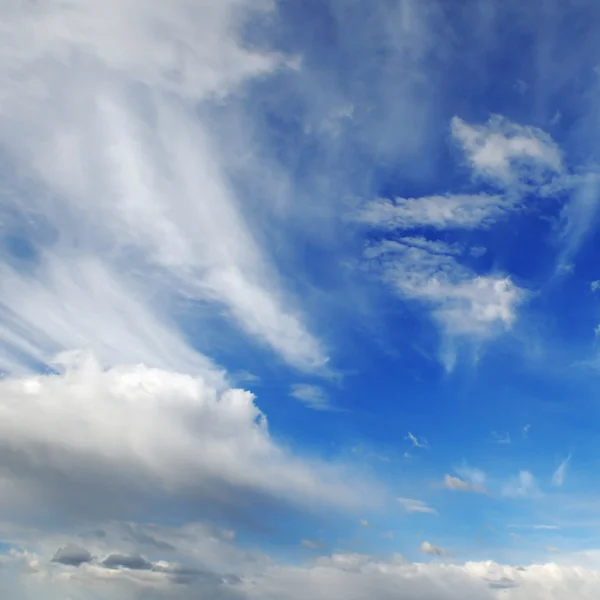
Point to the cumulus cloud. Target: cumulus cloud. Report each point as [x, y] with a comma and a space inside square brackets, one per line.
[506, 152]
[415, 506]
[116, 441]
[116, 172]
[429, 548]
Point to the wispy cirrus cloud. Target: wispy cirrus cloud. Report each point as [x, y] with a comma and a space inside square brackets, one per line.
[559, 475]
[417, 442]
[114, 165]
[416, 506]
[450, 211]
[523, 485]
[313, 396]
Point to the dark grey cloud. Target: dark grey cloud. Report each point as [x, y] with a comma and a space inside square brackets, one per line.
[503, 583]
[72, 555]
[135, 562]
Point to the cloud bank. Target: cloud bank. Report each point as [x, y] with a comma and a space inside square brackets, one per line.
[90, 442]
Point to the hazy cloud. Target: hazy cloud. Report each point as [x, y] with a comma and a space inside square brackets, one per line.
[415, 506]
[460, 485]
[312, 396]
[558, 477]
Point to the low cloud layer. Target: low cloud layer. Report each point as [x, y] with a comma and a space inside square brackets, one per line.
[333, 577]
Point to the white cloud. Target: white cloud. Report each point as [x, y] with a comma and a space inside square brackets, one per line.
[595, 285]
[203, 564]
[356, 578]
[429, 548]
[82, 302]
[468, 305]
[416, 442]
[558, 477]
[522, 486]
[313, 396]
[121, 441]
[465, 304]
[416, 506]
[100, 119]
[461, 485]
[450, 211]
[508, 153]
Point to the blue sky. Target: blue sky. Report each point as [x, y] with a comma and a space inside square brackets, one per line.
[299, 298]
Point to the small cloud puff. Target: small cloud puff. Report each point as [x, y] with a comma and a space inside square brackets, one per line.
[428, 548]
